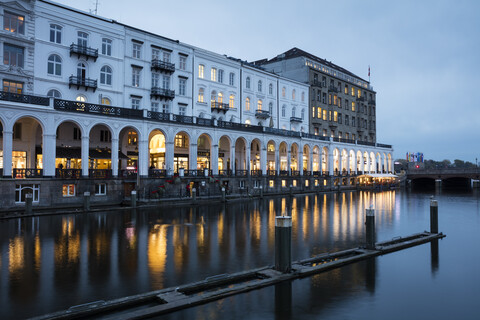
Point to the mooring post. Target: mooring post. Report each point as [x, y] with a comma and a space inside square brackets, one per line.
[291, 190]
[370, 228]
[28, 203]
[261, 192]
[86, 201]
[194, 195]
[133, 199]
[223, 194]
[433, 216]
[283, 243]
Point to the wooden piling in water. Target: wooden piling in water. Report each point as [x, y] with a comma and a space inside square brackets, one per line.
[433, 216]
[370, 228]
[283, 243]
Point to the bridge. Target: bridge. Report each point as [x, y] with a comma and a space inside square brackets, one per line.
[449, 176]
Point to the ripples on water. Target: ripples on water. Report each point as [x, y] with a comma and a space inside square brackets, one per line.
[53, 262]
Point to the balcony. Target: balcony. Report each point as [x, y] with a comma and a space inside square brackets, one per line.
[162, 93]
[163, 66]
[262, 114]
[362, 99]
[24, 98]
[371, 102]
[97, 109]
[296, 119]
[317, 83]
[82, 82]
[26, 173]
[333, 89]
[219, 107]
[84, 51]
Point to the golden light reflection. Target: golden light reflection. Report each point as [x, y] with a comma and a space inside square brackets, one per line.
[316, 216]
[271, 221]
[67, 247]
[200, 235]
[16, 256]
[177, 241]
[220, 227]
[324, 214]
[255, 225]
[157, 249]
[37, 252]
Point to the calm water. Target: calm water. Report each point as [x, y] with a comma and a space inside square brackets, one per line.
[54, 262]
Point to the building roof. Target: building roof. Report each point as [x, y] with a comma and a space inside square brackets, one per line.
[296, 52]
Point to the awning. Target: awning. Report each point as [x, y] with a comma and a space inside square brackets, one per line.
[378, 175]
[69, 153]
[104, 154]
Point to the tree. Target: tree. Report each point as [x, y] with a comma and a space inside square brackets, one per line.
[459, 163]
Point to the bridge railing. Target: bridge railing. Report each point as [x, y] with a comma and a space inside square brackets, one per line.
[444, 171]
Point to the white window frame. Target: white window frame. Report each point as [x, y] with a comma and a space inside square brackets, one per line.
[182, 86]
[107, 46]
[100, 189]
[55, 33]
[19, 189]
[136, 50]
[68, 194]
[106, 75]
[182, 65]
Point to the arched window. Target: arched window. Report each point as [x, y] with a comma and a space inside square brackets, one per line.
[231, 101]
[201, 93]
[293, 94]
[260, 85]
[284, 110]
[54, 93]
[81, 98]
[220, 97]
[270, 108]
[293, 112]
[247, 121]
[213, 97]
[303, 96]
[81, 70]
[247, 83]
[106, 75]
[270, 88]
[82, 39]
[284, 92]
[259, 104]
[247, 104]
[106, 101]
[54, 65]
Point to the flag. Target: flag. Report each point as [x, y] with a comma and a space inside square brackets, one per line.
[369, 70]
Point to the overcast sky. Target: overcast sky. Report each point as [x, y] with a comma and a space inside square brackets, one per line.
[424, 55]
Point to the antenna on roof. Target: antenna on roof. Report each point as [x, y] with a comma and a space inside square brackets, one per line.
[96, 8]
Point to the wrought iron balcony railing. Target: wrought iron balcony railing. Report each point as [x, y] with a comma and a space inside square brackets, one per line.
[163, 65]
[162, 93]
[219, 106]
[262, 114]
[87, 83]
[24, 98]
[85, 51]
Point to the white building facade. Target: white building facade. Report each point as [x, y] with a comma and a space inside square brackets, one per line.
[94, 106]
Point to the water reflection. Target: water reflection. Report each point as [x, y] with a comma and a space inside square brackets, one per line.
[58, 261]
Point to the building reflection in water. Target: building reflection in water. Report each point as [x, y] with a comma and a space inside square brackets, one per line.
[83, 258]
